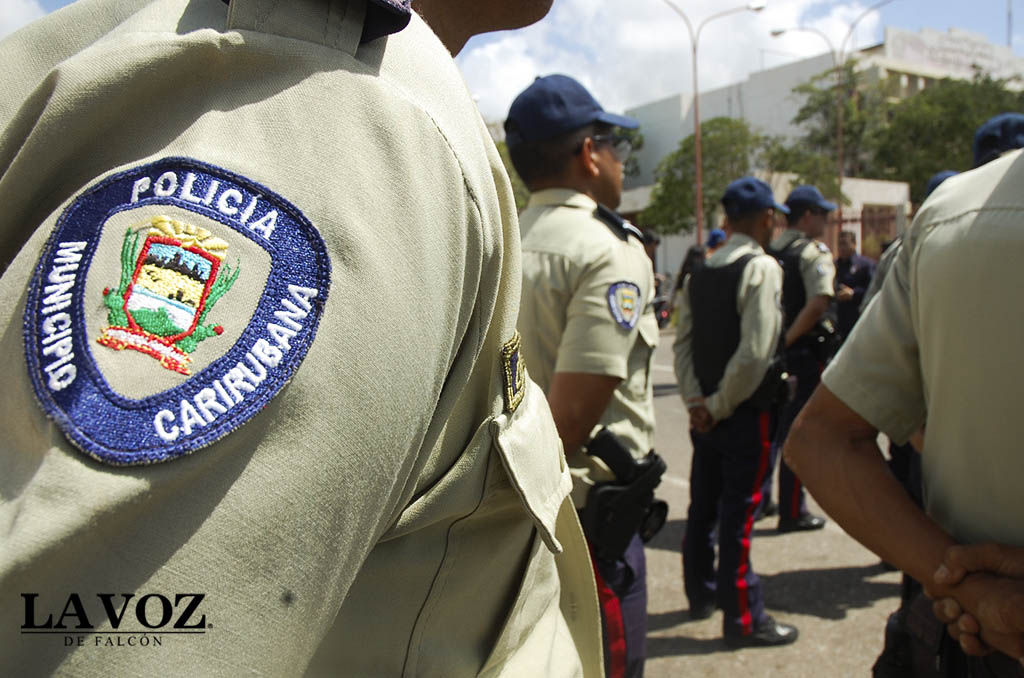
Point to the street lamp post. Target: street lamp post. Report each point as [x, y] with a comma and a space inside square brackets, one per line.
[838, 59]
[754, 6]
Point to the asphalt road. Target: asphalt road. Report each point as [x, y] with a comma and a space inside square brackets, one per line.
[833, 589]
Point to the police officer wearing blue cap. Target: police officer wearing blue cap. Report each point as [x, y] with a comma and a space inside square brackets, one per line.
[810, 336]
[729, 328]
[716, 238]
[999, 134]
[589, 329]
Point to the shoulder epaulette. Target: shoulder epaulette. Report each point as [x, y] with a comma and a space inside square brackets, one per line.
[618, 224]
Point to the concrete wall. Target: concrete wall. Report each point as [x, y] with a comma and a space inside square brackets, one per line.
[765, 101]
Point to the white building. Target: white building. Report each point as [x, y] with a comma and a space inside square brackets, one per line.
[906, 61]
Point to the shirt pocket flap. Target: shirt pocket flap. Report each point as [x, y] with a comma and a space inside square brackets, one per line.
[649, 331]
[531, 453]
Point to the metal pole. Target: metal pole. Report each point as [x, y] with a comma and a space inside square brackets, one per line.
[839, 139]
[696, 146]
[840, 60]
[755, 6]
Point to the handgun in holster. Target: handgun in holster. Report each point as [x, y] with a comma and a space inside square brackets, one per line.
[617, 510]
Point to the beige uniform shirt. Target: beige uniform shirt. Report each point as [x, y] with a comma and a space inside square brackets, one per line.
[943, 337]
[588, 289]
[757, 302]
[344, 435]
[881, 272]
[817, 268]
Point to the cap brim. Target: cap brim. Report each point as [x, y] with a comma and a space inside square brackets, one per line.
[826, 205]
[781, 208]
[617, 120]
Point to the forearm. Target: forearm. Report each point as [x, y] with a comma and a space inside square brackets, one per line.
[682, 355]
[574, 424]
[846, 473]
[743, 374]
[577, 403]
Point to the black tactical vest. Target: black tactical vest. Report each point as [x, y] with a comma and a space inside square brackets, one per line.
[716, 321]
[794, 294]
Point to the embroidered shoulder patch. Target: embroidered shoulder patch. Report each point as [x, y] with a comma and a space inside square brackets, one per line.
[515, 372]
[624, 303]
[171, 303]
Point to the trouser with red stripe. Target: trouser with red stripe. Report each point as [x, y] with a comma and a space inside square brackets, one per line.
[622, 592]
[792, 497]
[729, 465]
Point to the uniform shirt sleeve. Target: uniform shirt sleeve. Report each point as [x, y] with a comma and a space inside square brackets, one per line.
[818, 270]
[877, 373]
[757, 301]
[682, 349]
[881, 272]
[593, 341]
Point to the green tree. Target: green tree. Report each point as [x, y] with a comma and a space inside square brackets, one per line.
[728, 149]
[863, 108]
[777, 155]
[636, 137]
[934, 129]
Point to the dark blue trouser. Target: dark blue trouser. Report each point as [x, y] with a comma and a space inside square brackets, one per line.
[622, 590]
[792, 498]
[729, 465]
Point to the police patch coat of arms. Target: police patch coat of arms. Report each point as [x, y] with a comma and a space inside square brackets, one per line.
[169, 284]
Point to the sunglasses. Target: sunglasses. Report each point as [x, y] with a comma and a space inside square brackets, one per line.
[620, 145]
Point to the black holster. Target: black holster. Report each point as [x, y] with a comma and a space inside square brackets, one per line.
[775, 390]
[615, 511]
[822, 340]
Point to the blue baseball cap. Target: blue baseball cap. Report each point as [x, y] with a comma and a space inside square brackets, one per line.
[999, 134]
[937, 179]
[716, 237]
[809, 195]
[749, 194]
[555, 105]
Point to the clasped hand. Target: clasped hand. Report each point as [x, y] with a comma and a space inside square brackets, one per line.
[984, 609]
[701, 420]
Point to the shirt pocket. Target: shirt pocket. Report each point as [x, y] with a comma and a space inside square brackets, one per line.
[530, 450]
[536, 638]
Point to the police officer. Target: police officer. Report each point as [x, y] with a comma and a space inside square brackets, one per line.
[905, 464]
[853, 276]
[729, 326]
[807, 290]
[264, 388]
[934, 344]
[586, 318]
[904, 640]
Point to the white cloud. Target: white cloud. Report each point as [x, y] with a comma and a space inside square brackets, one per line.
[17, 13]
[629, 53]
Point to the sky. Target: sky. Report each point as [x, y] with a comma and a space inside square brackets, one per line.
[631, 52]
